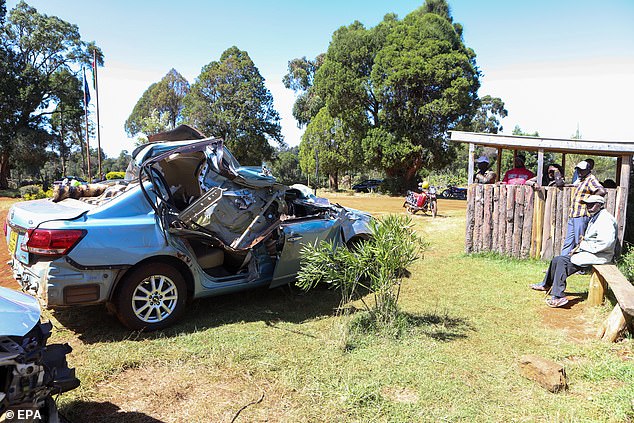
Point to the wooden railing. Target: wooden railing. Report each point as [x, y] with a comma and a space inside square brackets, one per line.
[522, 221]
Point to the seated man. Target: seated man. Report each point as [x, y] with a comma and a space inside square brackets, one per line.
[596, 247]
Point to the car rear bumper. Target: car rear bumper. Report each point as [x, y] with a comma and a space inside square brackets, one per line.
[57, 283]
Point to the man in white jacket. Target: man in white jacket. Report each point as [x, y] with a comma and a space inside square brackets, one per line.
[596, 247]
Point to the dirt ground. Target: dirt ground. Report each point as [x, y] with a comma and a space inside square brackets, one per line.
[571, 320]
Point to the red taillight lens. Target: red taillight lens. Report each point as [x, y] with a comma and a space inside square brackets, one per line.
[52, 242]
[5, 228]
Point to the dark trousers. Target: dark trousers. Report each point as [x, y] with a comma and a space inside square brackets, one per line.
[559, 269]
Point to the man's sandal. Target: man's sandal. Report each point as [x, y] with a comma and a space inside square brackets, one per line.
[556, 302]
[538, 287]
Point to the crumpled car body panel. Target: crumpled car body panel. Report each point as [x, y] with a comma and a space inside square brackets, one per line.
[190, 202]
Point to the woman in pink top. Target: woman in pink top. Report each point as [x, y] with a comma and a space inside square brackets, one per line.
[519, 174]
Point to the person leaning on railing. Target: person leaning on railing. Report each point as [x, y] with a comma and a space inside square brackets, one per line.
[554, 177]
[484, 175]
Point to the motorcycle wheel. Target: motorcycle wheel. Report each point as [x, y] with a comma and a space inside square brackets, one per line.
[434, 208]
[446, 194]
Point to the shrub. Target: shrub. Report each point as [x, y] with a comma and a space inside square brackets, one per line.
[377, 266]
[626, 263]
[115, 175]
[34, 192]
[30, 190]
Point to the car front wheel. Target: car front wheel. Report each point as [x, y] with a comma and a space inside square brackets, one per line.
[152, 297]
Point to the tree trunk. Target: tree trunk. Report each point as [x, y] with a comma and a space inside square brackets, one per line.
[4, 170]
[333, 180]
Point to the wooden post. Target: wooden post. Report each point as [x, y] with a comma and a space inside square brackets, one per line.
[499, 164]
[613, 325]
[468, 239]
[557, 219]
[621, 202]
[501, 222]
[477, 229]
[619, 162]
[518, 220]
[565, 211]
[563, 164]
[529, 200]
[596, 289]
[538, 213]
[487, 223]
[495, 218]
[510, 209]
[540, 166]
[471, 162]
[547, 239]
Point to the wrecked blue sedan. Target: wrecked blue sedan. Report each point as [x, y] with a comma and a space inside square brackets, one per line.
[189, 222]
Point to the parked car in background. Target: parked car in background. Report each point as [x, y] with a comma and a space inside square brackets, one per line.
[369, 185]
[70, 180]
[190, 223]
[31, 372]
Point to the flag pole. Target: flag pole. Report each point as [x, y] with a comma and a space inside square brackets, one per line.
[94, 70]
[87, 134]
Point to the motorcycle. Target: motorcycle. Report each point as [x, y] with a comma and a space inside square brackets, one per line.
[454, 192]
[425, 202]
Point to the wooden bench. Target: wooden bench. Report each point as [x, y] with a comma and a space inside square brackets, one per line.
[604, 275]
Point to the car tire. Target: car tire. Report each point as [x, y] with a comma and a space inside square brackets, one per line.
[152, 297]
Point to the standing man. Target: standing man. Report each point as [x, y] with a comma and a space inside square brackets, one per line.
[519, 174]
[597, 247]
[578, 216]
[484, 175]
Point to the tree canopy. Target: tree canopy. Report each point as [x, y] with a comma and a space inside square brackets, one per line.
[159, 108]
[229, 100]
[39, 54]
[397, 88]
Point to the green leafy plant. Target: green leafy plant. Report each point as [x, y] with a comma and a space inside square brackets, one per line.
[376, 267]
[115, 175]
[35, 192]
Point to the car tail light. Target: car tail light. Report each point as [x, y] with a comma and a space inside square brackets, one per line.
[52, 242]
[5, 228]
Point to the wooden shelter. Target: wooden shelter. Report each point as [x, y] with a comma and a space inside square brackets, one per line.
[530, 221]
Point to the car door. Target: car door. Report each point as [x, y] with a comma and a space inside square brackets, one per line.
[298, 233]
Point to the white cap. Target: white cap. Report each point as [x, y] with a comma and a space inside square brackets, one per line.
[482, 159]
[583, 165]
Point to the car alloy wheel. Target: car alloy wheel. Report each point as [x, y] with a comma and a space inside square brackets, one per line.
[155, 299]
[151, 297]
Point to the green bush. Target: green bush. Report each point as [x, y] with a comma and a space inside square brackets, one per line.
[377, 266]
[30, 190]
[34, 192]
[626, 262]
[115, 175]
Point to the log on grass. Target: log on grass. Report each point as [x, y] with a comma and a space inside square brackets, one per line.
[547, 373]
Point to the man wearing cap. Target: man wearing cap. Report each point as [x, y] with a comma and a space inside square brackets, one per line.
[578, 216]
[519, 174]
[484, 175]
[596, 247]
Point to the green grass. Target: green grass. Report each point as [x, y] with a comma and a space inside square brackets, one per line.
[470, 318]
